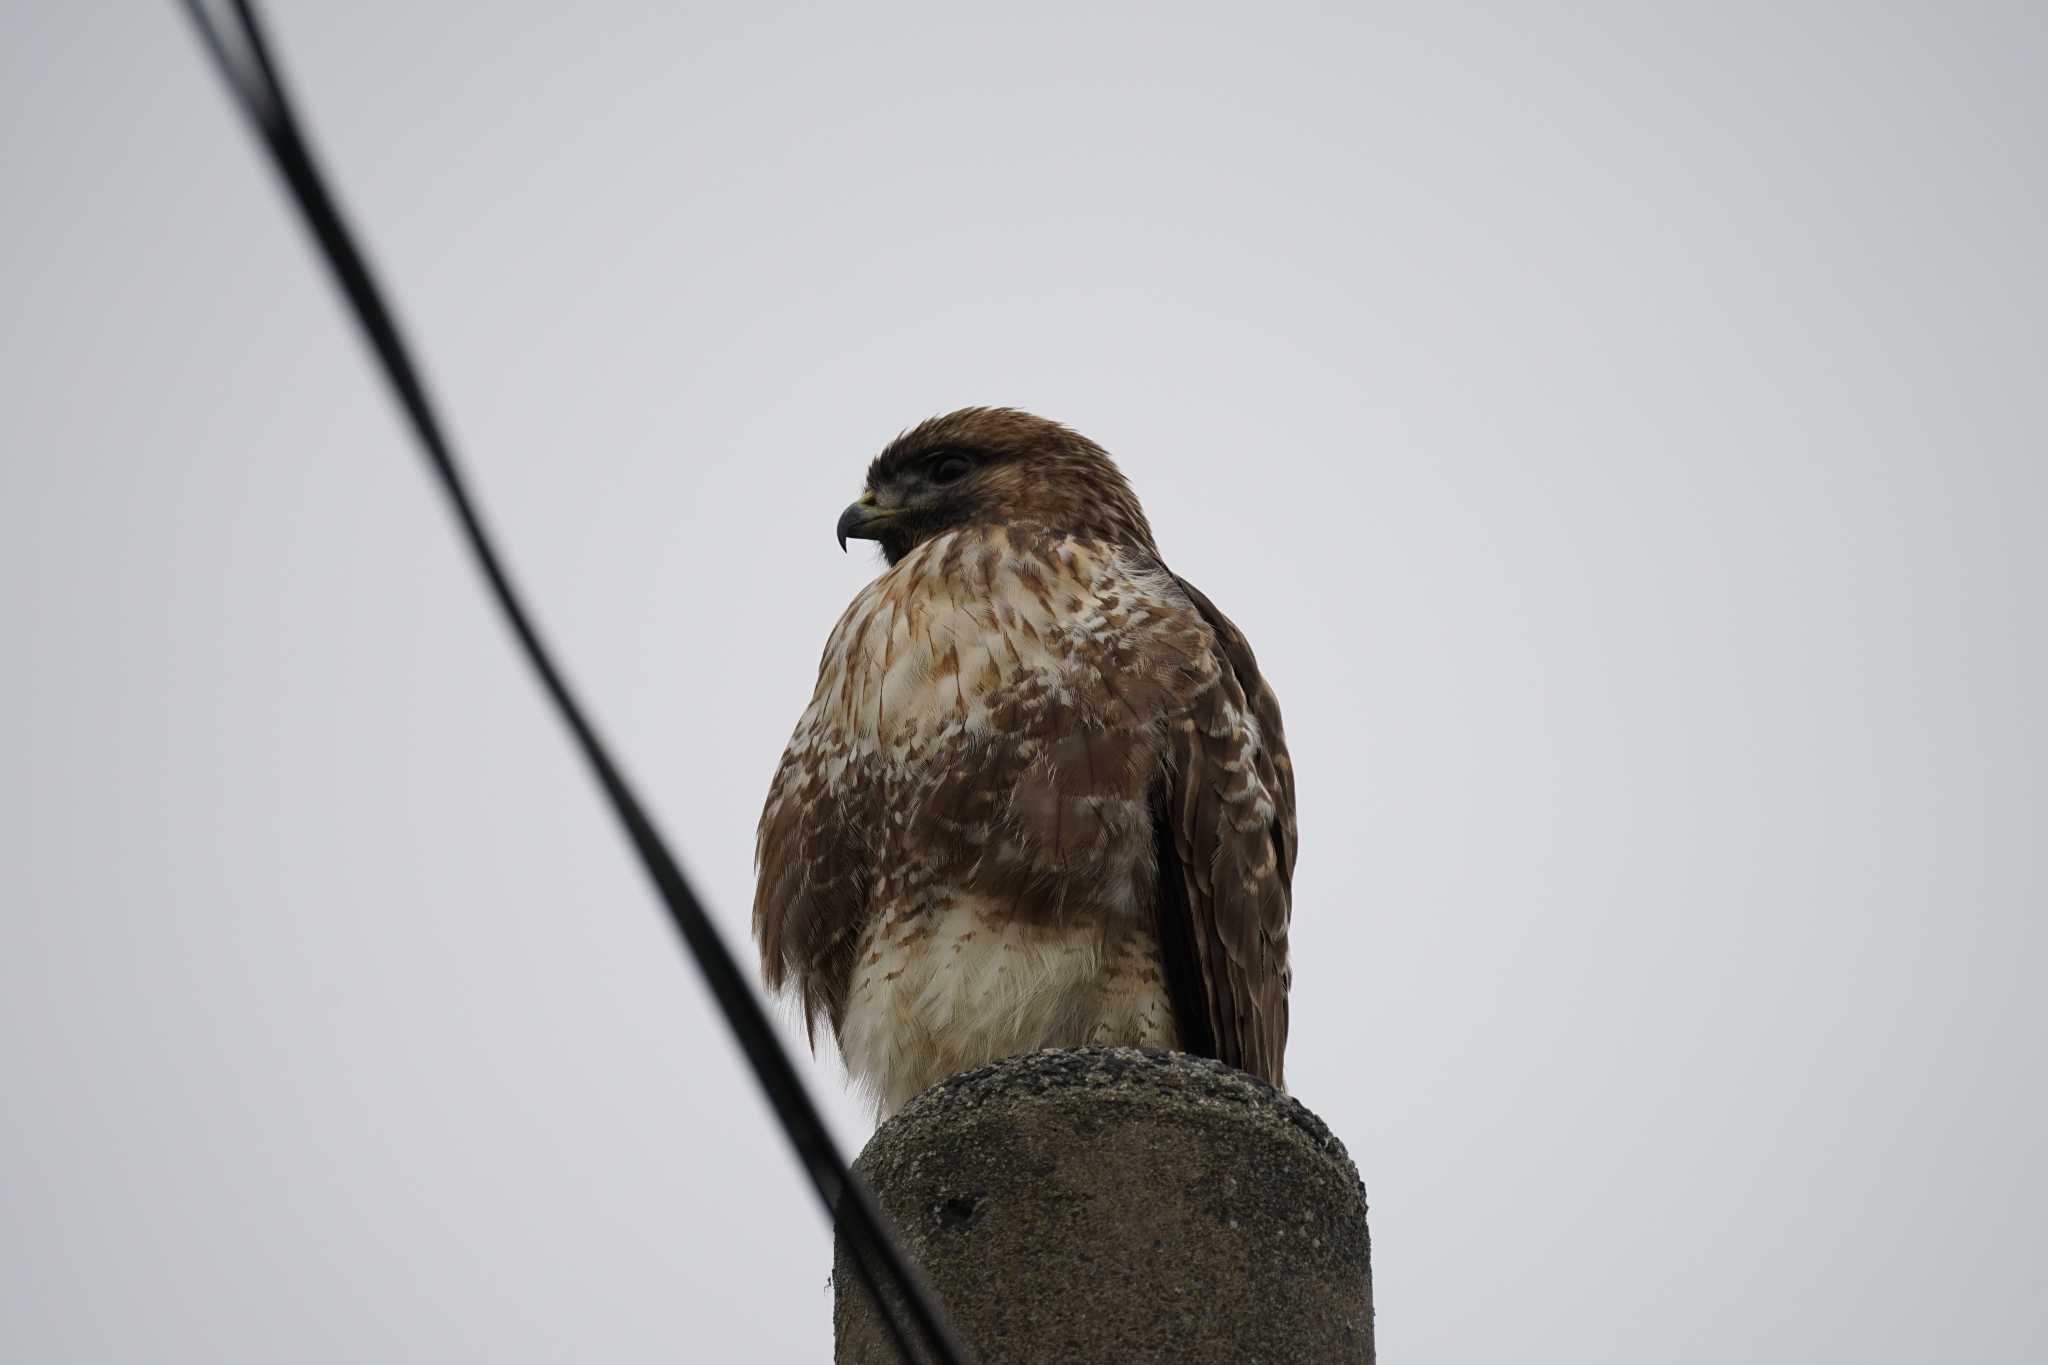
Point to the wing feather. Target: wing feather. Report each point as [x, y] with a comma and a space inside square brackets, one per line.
[1226, 848]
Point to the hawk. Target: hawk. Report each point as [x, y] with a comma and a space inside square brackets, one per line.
[1040, 797]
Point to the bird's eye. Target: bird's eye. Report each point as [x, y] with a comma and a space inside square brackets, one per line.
[951, 469]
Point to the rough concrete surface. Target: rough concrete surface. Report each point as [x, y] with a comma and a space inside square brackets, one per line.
[1112, 1204]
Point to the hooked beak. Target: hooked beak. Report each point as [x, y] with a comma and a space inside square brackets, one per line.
[862, 520]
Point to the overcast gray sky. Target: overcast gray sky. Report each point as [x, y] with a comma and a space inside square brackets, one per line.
[1620, 428]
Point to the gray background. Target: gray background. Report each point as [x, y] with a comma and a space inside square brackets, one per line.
[1619, 428]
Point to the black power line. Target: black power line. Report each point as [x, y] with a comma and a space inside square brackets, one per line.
[253, 79]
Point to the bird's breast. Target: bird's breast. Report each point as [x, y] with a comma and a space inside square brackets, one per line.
[962, 625]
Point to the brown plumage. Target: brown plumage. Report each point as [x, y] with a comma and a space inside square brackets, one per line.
[1041, 796]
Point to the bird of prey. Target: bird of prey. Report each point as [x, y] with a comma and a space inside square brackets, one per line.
[1040, 797]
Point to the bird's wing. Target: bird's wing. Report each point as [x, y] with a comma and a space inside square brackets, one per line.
[810, 860]
[1224, 826]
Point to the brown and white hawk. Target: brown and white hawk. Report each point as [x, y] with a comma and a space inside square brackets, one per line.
[1040, 797]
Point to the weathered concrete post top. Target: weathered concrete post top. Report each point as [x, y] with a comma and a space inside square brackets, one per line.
[1113, 1205]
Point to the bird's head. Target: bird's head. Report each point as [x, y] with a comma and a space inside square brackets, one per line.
[992, 467]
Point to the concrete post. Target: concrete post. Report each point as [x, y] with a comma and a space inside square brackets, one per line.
[1112, 1205]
